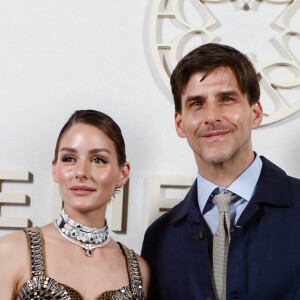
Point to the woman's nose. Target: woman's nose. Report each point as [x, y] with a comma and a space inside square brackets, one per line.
[82, 170]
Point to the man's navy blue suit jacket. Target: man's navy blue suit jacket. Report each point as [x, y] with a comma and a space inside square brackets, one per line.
[264, 254]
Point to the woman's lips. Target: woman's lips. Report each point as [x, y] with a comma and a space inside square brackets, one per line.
[82, 190]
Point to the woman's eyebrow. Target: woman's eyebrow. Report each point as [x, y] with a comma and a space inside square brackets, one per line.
[96, 150]
[92, 151]
[67, 149]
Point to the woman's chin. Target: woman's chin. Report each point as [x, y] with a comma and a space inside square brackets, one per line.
[83, 206]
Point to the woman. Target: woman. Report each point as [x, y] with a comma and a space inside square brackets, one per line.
[74, 257]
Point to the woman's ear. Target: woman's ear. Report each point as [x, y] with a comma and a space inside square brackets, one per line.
[124, 175]
[54, 171]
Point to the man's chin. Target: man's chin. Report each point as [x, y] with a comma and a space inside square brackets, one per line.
[216, 159]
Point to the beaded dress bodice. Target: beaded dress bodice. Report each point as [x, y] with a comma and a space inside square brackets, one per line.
[43, 287]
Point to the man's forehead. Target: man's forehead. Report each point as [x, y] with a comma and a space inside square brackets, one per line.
[222, 71]
[220, 75]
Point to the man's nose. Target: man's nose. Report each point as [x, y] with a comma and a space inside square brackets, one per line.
[212, 113]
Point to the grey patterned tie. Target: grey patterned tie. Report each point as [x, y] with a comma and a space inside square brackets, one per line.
[221, 242]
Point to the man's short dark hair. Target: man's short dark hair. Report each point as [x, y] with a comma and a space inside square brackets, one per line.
[207, 58]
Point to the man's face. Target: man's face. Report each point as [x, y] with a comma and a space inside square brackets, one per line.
[216, 118]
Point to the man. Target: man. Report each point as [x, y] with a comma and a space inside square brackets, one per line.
[236, 234]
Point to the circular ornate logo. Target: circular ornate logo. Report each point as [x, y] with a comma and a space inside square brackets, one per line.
[178, 26]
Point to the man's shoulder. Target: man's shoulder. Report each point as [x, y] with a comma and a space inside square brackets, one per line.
[294, 180]
[281, 184]
[294, 184]
[273, 168]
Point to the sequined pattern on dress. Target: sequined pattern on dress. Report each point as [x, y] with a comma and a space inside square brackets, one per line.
[40, 286]
[43, 287]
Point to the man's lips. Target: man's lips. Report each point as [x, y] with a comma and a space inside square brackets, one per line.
[215, 134]
[82, 190]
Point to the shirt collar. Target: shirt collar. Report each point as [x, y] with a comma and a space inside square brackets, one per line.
[243, 186]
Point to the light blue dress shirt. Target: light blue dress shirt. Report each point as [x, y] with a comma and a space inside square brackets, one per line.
[244, 186]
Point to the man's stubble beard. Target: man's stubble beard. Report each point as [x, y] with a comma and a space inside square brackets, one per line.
[227, 154]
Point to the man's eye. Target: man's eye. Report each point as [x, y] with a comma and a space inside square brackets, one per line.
[227, 99]
[98, 160]
[68, 159]
[196, 103]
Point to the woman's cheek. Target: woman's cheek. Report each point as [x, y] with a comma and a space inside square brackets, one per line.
[64, 173]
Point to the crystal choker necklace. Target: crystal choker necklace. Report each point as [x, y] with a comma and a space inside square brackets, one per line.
[88, 238]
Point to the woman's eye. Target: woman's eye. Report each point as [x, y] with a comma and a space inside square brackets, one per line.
[98, 160]
[68, 159]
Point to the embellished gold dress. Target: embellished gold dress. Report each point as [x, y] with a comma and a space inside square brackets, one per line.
[43, 287]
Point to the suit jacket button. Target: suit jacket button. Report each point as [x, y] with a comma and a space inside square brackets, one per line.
[199, 235]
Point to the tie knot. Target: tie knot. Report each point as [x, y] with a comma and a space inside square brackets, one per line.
[222, 201]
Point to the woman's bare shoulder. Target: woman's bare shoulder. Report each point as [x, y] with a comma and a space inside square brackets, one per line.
[14, 249]
[14, 261]
[13, 242]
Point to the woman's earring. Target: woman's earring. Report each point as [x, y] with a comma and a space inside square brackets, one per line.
[116, 190]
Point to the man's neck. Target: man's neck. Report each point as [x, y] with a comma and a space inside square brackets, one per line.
[223, 174]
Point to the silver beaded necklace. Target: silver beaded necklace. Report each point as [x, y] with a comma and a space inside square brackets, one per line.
[88, 238]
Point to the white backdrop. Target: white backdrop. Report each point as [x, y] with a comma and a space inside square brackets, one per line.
[60, 56]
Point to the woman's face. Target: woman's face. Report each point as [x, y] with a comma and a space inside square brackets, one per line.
[87, 168]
